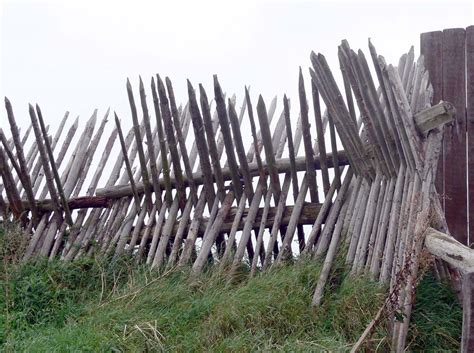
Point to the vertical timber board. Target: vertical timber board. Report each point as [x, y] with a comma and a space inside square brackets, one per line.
[431, 47]
[470, 124]
[467, 341]
[454, 91]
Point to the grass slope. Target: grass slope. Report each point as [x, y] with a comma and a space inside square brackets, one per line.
[94, 306]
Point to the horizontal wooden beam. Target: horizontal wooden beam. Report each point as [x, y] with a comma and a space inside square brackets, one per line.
[308, 216]
[460, 257]
[283, 166]
[433, 117]
[450, 250]
[74, 203]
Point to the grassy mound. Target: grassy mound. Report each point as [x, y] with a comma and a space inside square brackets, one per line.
[93, 305]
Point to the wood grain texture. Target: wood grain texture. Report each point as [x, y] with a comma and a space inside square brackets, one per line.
[470, 125]
[454, 91]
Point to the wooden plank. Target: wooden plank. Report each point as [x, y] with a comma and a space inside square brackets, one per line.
[470, 125]
[431, 47]
[434, 117]
[454, 91]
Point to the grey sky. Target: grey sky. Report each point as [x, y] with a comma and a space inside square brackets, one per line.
[76, 55]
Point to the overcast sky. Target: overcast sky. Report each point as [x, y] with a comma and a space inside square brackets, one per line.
[76, 55]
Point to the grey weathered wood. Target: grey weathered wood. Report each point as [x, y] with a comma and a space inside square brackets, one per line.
[86, 231]
[54, 170]
[277, 221]
[436, 116]
[10, 187]
[194, 228]
[357, 222]
[373, 234]
[400, 330]
[127, 163]
[211, 141]
[10, 155]
[336, 106]
[392, 228]
[245, 237]
[310, 172]
[62, 153]
[89, 156]
[24, 176]
[382, 228]
[386, 101]
[45, 162]
[201, 145]
[161, 137]
[285, 250]
[180, 232]
[225, 130]
[327, 204]
[172, 145]
[450, 250]
[384, 134]
[254, 131]
[330, 256]
[139, 141]
[261, 230]
[270, 114]
[362, 247]
[237, 216]
[150, 147]
[349, 59]
[268, 147]
[75, 167]
[291, 148]
[467, 340]
[179, 135]
[320, 135]
[159, 255]
[212, 234]
[292, 154]
[239, 147]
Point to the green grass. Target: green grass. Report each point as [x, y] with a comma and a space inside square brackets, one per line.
[104, 306]
[436, 319]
